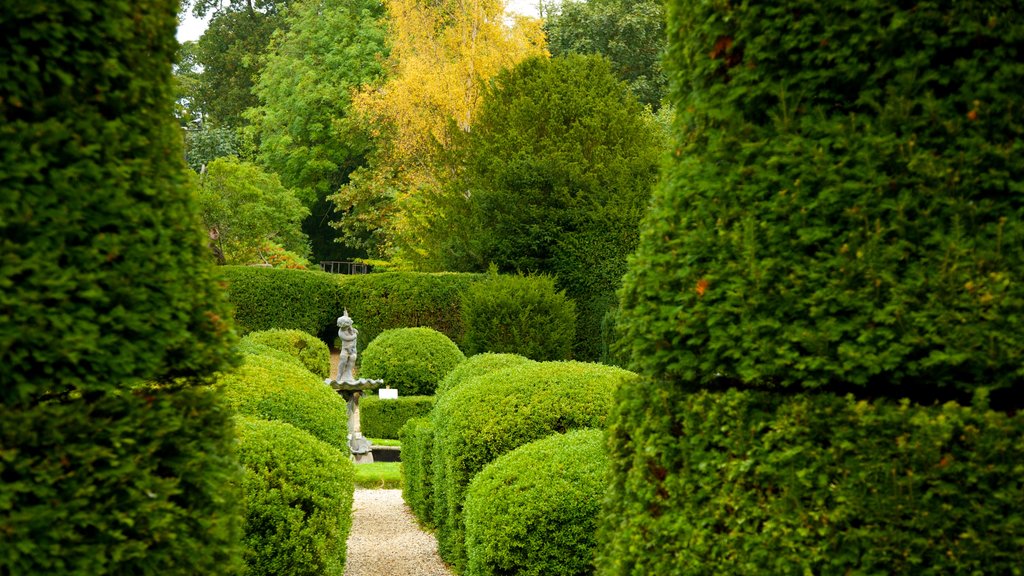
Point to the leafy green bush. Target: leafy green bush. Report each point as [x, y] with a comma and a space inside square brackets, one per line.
[380, 302]
[250, 348]
[534, 511]
[751, 482]
[271, 389]
[417, 468]
[413, 360]
[105, 283]
[270, 298]
[518, 315]
[384, 418]
[311, 351]
[478, 365]
[845, 200]
[500, 411]
[298, 495]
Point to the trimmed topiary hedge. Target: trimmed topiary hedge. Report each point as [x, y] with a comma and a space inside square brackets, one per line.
[273, 298]
[500, 411]
[413, 360]
[417, 438]
[105, 283]
[534, 511]
[750, 482]
[518, 315]
[271, 389]
[479, 365]
[298, 496]
[252, 349]
[309, 350]
[384, 418]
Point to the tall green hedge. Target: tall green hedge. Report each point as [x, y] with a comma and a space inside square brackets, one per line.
[846, 207]
[274, 298]
[105, 283]
[534, 511]
[417, 438]
[500, 411]
[752, 482]
[385, 418]
[298, 493]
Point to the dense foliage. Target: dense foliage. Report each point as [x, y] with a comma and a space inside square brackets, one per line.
[267, 298]
[761, 483]
[500, 411]
[309, 350]
[554, 178]
[105, 284]
[846, 207]
[271, 389]
[385, 418]
[298, 495]
[417, 438]
[630, 33]
[518, 315]
[413, 360]
[534, 511]
[478, 365]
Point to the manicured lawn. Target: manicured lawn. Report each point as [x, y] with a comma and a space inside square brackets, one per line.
[379, 475]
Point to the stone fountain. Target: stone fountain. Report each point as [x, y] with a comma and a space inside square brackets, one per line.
[351, 389]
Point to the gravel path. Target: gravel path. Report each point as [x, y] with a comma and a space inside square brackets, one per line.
[386, 541]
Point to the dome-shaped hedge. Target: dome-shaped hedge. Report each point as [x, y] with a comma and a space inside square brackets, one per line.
[310, 350]
[413, 360]
[272, 389]
[298, 494]
[500, 411]
[479, 365]
[534, 511]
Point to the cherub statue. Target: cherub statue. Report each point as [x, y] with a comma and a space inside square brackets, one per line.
[347, 358]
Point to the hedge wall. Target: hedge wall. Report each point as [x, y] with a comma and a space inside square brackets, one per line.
[298, 494]
[500, 411]
[272, 389]
[417, 438]
[105, 283]
[751, 482]
[384, 418]
[534, 511]
[273, 298]
[478, 365]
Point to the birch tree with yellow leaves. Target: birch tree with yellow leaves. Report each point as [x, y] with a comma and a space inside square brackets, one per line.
[442, 52]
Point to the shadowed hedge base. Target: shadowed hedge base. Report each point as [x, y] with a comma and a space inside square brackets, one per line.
[534, 511]
[385, 418]
[105, 283]
[845, 214]
[413, 360]
[499, 411]
[298, 493]
[309, 350]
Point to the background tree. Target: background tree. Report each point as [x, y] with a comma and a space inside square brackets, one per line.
[245, 208]
[116, 459]
[630, 33]
[553, 178]
[440, 55]
[303, 124]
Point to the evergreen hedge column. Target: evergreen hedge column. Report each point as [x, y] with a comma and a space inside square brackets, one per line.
[836, 253]
[113, 457]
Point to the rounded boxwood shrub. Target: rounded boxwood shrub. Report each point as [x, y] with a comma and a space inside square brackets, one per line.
[534, 511]
[753, 482]
[417, 438]
[384, 418]
[500, 411]
[518, 315]
[271, 389]
[310, 350]
[478, 365]
[413, 360]
[105, 282]
[253, 349]
[298, 500]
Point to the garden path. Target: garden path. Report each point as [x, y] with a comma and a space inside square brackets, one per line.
[386, 540]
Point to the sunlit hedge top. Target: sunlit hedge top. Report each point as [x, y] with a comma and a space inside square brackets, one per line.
[104, 273]
[846, 205]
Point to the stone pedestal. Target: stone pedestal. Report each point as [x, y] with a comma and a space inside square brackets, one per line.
[359, 447]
